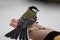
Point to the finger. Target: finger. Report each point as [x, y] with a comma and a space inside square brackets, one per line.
[14, 20]
[13, 24]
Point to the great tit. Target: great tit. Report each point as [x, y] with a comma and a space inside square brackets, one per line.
[27, 19]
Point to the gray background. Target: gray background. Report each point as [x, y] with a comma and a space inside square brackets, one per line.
[49, 15]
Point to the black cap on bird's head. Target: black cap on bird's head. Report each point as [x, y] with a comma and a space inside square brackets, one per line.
[33, 8]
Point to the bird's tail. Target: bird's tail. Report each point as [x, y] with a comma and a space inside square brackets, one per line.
[23, 35]
[13, 34]
[10, 33]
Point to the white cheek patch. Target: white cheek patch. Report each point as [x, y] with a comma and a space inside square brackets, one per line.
[34, 10]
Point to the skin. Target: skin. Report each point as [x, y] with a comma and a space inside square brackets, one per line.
[37, 33]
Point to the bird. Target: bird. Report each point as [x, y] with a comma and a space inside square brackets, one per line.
[27, 19]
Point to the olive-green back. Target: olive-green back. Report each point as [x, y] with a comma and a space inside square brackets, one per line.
[29, 14]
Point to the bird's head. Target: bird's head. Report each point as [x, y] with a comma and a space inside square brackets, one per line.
[34, 9]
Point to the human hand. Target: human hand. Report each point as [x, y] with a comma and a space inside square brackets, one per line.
[38, 32]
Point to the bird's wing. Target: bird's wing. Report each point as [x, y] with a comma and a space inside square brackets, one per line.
[28, 22]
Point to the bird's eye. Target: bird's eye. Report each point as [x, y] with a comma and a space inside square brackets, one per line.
[34, 10]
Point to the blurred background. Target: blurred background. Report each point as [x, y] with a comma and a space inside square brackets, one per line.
[48, 1]
[49, 15]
